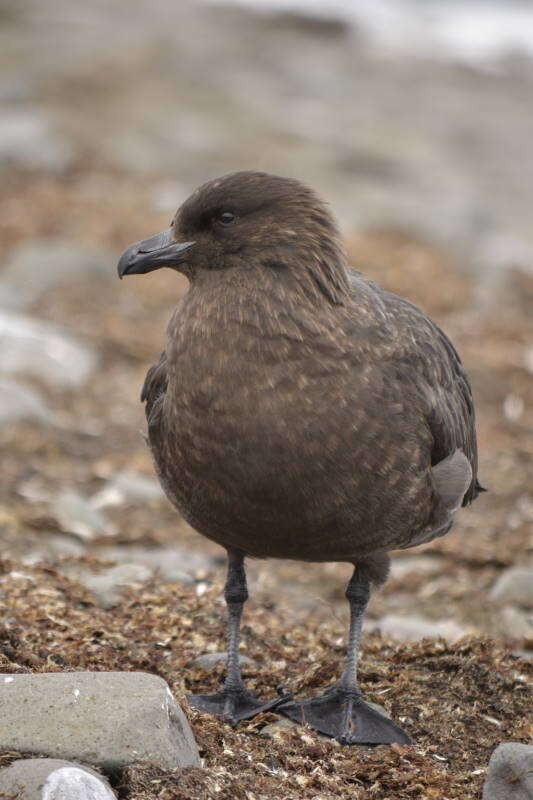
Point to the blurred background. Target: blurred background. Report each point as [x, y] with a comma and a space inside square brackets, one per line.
[414, 119]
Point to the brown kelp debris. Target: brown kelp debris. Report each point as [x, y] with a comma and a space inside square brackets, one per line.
[457, 701]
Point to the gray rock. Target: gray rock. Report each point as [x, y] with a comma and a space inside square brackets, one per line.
[50, 546]
[210, 660]
[136, 486]
[37, 348]
[28, 139]
[401, 567]
[52, 779]
[170, 563]
[273, 730]
[18, 402]
[524, 655]
[270, 731]
[108, 584]
[510, 773]
[77, 515]
[128, 486]
[110, 719]
[34, 267]
[413, 628]
[514, 623]
[514, 586]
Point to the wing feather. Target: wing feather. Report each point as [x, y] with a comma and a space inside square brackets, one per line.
[423, 353]
[154, 389]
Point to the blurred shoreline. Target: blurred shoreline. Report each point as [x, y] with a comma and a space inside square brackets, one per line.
[482, 33]
[175, 94]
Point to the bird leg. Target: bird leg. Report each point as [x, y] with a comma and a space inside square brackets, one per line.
[340, 712]
[234, 701]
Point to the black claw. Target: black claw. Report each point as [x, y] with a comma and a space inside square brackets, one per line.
[284, 695]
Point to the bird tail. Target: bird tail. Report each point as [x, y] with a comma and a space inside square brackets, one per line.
[451, 478]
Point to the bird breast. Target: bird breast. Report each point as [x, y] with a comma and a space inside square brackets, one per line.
[258, 422]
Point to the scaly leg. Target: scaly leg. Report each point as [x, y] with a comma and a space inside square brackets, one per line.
[234, 701]
[341, 712]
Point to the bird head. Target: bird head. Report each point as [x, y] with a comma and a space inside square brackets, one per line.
[242, 221]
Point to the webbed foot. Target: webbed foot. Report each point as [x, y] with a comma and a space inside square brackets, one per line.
[343, 715]
[235, 703]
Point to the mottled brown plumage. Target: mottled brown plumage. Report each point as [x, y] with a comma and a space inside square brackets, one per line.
[299, 410]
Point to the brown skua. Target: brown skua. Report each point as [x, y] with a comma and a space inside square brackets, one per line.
[300, 411]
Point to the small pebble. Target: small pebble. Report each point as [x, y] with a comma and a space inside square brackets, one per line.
[514, 586]
[29, 139]
[33, 267]
[514, 623]
[401, 567]
[169, 563]
[107, 584]
[19, 402]
[33, 347]
[210, 660]
[270, 731]
[128, 486]
[77, 515]
[413, 628]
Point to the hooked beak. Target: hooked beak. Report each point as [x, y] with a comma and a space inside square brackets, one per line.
[159, 251]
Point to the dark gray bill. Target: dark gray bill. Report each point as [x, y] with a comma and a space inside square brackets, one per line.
[159, 251]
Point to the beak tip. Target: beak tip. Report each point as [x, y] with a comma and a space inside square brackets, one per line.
[125, 261]
[158, 251]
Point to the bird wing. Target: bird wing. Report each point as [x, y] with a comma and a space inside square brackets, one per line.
[154, 388]
[423, 355]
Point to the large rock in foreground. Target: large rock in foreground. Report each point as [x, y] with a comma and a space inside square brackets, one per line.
[106, 718]
[510, 773]
[52, 779]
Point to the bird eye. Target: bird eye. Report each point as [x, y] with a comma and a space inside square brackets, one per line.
[226, 218]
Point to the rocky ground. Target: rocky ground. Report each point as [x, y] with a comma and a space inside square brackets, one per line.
[100, 573]
[457, 701]
[97, 570]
